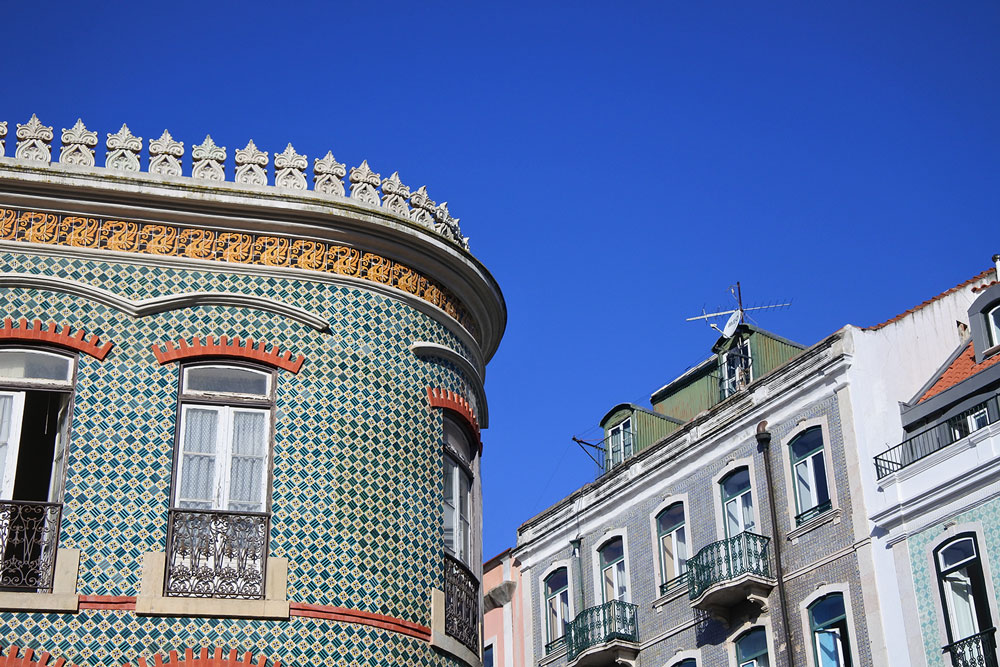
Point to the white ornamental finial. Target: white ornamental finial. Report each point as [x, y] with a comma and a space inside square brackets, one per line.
[394, 195]
[250, 164]
[3, 133]
[289, 167]
[327, 175]
[208, 161]
[123, 150]
[423, 208]
[78, 145]
[363, 184]
[447, 226]
[164, 155]
[33, 141]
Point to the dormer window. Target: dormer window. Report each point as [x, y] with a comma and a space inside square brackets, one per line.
[993, 325]
[620, 442]
[737, 368]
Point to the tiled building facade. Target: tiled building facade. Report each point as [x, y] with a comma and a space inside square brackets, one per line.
[309, 362]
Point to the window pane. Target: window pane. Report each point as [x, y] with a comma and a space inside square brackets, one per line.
[667, 555]
[957, 552]
[994, 322]
[747, 503]
[556, 581]
[488, 656]
[555, 623]
[455, 437]
[827, 610]
[733, 526]
[449, 506]
[736, 483]
[752, 645]
[247, 470]
[819, 475]
[803, 483]
[609, 584]
[670, 518]
[226, 380]
[612, 551]
[26, 364]
[829, 648]
[564, 610]
[962, 606]
[200, 444]
[807, 443]
[620, 577]
[6, 414]
[680, 547]
[979, 420]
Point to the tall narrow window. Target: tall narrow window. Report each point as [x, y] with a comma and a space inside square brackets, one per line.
[457, 493]
[737, 502]
[35, 391]
[751, 649]
[812, 493]
[993, 325]
[966, 605]
[556, 606]
[613, 577]
[219, 521]
[672, 539]
[620, 442]
[828, 624]
[737, 368]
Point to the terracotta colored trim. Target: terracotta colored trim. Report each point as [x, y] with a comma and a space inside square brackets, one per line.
[13, 660]
[119, 602]
[449, 400]
[974, 279]
[204, 660]
[226, 347]
[55, 335]
[360, 617]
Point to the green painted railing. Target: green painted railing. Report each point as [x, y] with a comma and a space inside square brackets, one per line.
[600, 625]
[721, 561]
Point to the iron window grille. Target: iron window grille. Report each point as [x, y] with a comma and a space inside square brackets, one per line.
[461, 604]
[29, 536]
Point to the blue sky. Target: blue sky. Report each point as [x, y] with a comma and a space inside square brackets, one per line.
[617, 166]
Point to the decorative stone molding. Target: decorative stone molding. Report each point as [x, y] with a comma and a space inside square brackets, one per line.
[123, 150]
[363, 184]
[290, 169]
[394, 196]
[203, 659]
[447, 226]
[33, 141]
[445, 398]
[226, 347]
[423, 208]
[12, 659]
[164, 155]
[3, 133]
[54, 335]
[328, 175]
[208, 161]
[251, 163]
[78, 145]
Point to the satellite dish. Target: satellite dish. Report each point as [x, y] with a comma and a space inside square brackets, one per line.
[732, 323]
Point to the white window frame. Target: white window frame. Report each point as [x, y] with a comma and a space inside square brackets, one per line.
[734, 383]
[13, 443]
[549, 638]
[720, 510]
[736, 633]
[844, 589]
[992, 326]
[462, 525]
[266, 396]
[599, 571]
[619, 430]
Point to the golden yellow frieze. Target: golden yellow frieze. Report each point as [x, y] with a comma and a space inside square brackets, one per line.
[234, 247]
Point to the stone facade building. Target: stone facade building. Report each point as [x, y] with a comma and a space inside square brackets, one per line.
[728, 526]
[239, 412]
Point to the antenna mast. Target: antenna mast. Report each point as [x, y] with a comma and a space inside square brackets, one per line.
[737, 316]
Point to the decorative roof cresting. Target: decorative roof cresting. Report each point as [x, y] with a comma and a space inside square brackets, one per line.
[208, 163]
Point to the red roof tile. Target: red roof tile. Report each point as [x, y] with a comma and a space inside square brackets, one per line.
[962, 368]
[980, 288]
[928, 302]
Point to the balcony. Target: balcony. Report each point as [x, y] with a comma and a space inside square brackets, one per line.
[29, 536]
[938, 437]
[216, 554]
[461, 604]
[606, 634]
[729, 572]
[979, 650]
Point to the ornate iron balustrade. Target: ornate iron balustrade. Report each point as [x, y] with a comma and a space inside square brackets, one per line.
[979, 650]
[927, 442]
[813, 512]
[216, 554]
[746, 553]
[610, 621]
[555, 645]
[675, 583]
[461, 604]
[29, 536]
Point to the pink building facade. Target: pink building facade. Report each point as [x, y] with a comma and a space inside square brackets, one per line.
[503, 624]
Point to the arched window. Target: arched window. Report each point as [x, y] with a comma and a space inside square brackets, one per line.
[751, 648]
[828, 625]
[35, 391]
[613, 577]
[963, 593]
[672, 540]
[217, 539]
[556, 606]
[457, 492]
[686, 662]
[812, 493]
[737, 502]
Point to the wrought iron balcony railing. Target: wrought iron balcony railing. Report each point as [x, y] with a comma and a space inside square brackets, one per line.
[555, 645]
[746, 553]
[216, 554]
[813, 512]
[927, 442]
[461, 604]
[29, 536]
[979, 650]
[608, 622]
[675, 583]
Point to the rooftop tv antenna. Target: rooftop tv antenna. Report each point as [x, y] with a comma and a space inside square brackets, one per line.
[736, 315]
